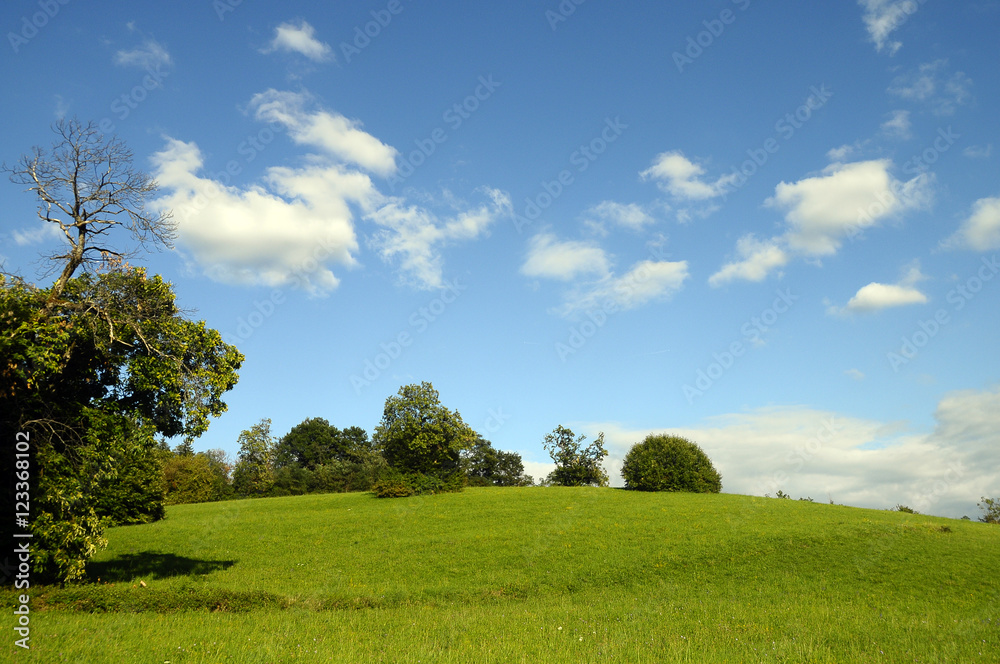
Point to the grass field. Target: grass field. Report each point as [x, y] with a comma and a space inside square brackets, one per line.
[529, 575]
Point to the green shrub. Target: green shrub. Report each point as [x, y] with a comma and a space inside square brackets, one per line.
[396, 484]
[669, 463]
[904, 509]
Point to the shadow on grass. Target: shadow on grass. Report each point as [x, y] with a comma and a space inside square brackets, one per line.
[152, 564]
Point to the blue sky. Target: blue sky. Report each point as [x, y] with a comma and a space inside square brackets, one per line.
[771, 227]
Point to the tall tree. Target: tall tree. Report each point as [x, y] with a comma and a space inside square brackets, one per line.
[87, 186]
[106, 350]
[254, 471]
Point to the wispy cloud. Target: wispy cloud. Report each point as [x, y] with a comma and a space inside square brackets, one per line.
[898, 125]
[645, 282]
[340, 137]
[930, 84]
[415, 236]
[883, 17]
[565, 260]
[632, 216]
[300, 37]
[148, 56]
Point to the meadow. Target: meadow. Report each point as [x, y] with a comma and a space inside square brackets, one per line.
[538, 574]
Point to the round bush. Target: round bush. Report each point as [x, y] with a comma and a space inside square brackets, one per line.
[669, 463]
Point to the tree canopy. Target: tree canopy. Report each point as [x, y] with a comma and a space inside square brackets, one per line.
[418, 434]
[100, 361]
[669, 463]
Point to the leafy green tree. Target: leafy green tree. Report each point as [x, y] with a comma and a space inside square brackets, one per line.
[254, 471]
[991, 510]
[133, 491]
[419, 435]
[487, 466]
[315, 442]
[670, 463]
[575, 465]
[105, 350]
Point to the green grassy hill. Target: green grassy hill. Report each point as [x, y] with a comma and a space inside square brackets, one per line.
[530, 575]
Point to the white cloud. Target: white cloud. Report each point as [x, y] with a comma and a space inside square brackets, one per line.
[883, 17]
[42, 232]
[865, 463]
[855, 374]
[299, 38]
[981, 231]
[567, 260]
[647, 281]
[285, 234]
[842, 153]
[682, 178]
[757, 259]
[332, 132]
[978, 151]
[876, 296]
[415, 236]
[928, 84]
[822, 210]
[149, 56]
[631, 216]
[898, 125]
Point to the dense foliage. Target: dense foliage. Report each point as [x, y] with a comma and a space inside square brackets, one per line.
[91, 376]
[420, 437]
[669, 463]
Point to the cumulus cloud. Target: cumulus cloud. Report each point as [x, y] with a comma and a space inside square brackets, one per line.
[414, 236]
[297, 223]
[299, 38]
[550, 258]
[148, 56]
[757, 259]
[883, 17]
[340, 137]
[876, 296]
[682, 178]
[822, 211]
[981, 231]
[929, 84]
[846, 198]
[41, 233]
[646, 281]
[285, 233]
[853, 461]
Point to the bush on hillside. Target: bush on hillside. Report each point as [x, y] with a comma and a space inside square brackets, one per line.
[669, 463]
[399, 485]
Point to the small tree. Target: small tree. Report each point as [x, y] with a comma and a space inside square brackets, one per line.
[575, 465]
[254, 472]
[991, 510]
[670, 463]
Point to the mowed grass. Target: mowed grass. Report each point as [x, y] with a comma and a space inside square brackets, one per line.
[530, 575]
